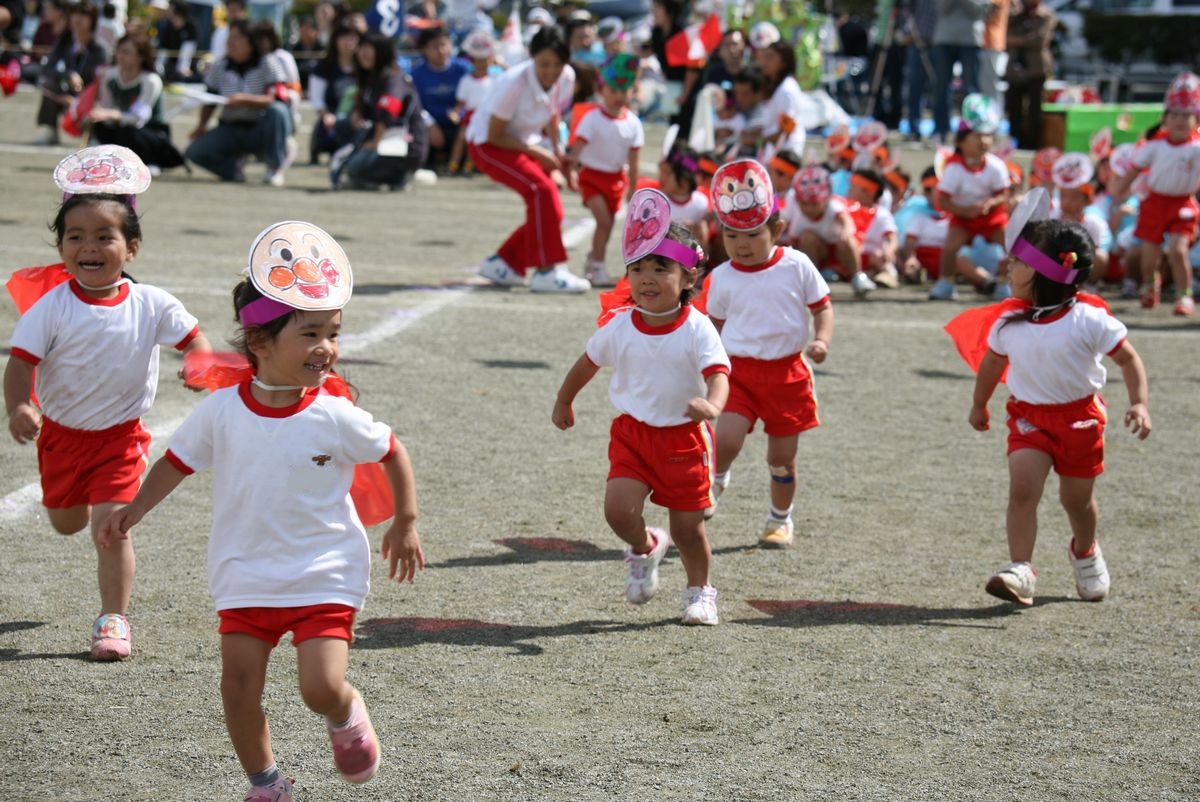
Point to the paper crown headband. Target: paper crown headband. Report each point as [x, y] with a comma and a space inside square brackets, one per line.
[980, 114]
[1072, 171]
[479, 44]
[870, 136]
[645, 232]
[620, 71]
[1184, 94]
[1036, 206]
[1100, 145]
[837, 141]
[103, 169]
[296, 265]
[763, 34]
[743, 197]
[812, 185]
[1043, 165]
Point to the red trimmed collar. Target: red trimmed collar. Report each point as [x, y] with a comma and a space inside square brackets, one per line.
[618, 117]
[775, 257]
[1162, 134]
[644, 327]
[116, 300]
[264, 411]
[957, 158]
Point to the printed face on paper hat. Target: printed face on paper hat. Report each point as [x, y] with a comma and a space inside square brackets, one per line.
[1184, 94]
[645, 233]
[107, 169]
[1100, 145]
[763, 34]
[479, 44]
[1072, 171]
[620, 71]
[812, 185]
[301, 266]
[870, 136]
[610, 29]
[838, 141]
[1043, 164]
[539, 16]
[940, 157]
[742, 195]
[980, 114]
[1121, 159]
[1003, 149]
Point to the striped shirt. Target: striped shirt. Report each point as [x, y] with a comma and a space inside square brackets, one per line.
[257, 79]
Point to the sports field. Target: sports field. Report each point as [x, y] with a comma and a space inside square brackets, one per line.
[866, 663]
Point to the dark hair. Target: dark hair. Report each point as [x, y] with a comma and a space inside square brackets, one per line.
[145, 49]
[268, 38]
[385, 59]
[244, 294]
[678, 232]
[674, 9]
[131, 224]
[587, 80]
[787, 52]
[109, 11]
[1054, 237]
[180, 8]
[430, 35]
[680, 161]
[340, 29]
[246, 29]
[86, 9]
[874, 177]
[550, 38]
[753, 76]
[929, 172]
[791, 157]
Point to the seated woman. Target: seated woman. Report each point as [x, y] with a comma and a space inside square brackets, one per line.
[128, 108]
[68, 68]
[331, 90]
[392, 140]
[253, 121]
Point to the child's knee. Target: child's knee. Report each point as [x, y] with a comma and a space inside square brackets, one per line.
[240, 686]
[69, 521]
[782, 473]
[322, 692]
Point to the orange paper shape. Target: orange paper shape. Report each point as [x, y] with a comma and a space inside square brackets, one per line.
[29, 284]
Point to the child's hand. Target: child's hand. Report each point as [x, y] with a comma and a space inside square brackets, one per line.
[979, 419]
[976, 210]
[563, 415]
[572, 178]
[817, 351]
[1138, 420]
[117, 525]
[548, 160]
[700, 409]
[402, 546]
[24, 423]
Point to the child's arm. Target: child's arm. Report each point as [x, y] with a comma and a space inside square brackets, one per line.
[633, 173]
[818, 348]
[401, 543]
[990, 370]
[199, 345]
[163, 478]
[999, 199]
[24, 420]
[709, 408]
[577, 378]
[1137, 418]
[947, 205]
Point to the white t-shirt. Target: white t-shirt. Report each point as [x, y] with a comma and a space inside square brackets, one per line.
[519, 98]
[767, 307]
[927, 230]
[825, 227]
[284, 531]
[787, 101]
[608, 139]
[1174, 168]
[471, 90]
[1095, 225]
[97, 360]
[882, 224]
[967, 187]
[691, 211]
[657, 371]
[1059, 361]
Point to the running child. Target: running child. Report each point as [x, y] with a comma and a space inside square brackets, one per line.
[94, 340]
[1052, 344]
[287, 551]
[670, 381]
[607, 143]
[772, 308]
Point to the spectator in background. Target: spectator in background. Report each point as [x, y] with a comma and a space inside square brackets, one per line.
[670, 18]
[728, 61]
[427, 9]
[917, 35]
[437, 82]
[235, 11]
[306, 49]
[200, 12]
[331, 90]
[177, 42]
[1029, 65]
[993, 58]
[109, 30]
[889, 97]
[581, 39]
[68, 68]
[325, 14]
[957, 37]
[786, 105]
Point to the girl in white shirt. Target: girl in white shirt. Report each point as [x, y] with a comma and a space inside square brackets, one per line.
[1052, 340]
[786, 106]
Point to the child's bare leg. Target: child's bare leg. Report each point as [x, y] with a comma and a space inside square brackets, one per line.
[687, 531]
[1099, 267]
[1180, 264]
[956, 238]
[604, 224]
[732, 429]
[1027, 472]
[1077, 499]
[624, 501]
[1151, 255]
[69, 520]
[460, 146]
[116, 565]
[243, 676]
[848, 257]
[812, 246]
[322, 664]
[781, 459]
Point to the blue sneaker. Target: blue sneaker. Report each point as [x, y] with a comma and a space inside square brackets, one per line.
[943, 290]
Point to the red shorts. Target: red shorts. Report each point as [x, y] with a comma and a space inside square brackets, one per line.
[269, 623]
[1159, 215]
[986, 225]
[91, 467]
[1073, 434]
[610, 186]
[675, 462]
[930, 258]
[779, 391]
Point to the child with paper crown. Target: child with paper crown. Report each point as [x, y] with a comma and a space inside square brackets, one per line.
[819, 225]
[772, 308]
[607, 143]
[1172, 161]
[288, 551]
[1073, 175]
[670, 381]
[93, 336]
[1051, 339]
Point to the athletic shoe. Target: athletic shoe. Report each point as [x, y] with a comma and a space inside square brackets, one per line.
[111, 638]
[700, 606]
[830, 275]
[596, 273]
[1129, 289]
[943, 290]
[641, 570]
[278, 791]
[1014, 582]
[1151, 295]
[777, 534]
[1091, 573]
[1185, 306]
[273, 177]
[888, 277]
[290, 150]
[861, 284]
[718, 488]
[498, 271]
[355, 748]
[558, 279]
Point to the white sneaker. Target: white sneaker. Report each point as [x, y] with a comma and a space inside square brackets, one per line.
[1091, 574]
[943, 290]
[861, 284]
[641, 570]
[498, 271]
[777, 534]
[888, 277]
[290, 149]
[558, 279]
[718, 487]
[273, 177]
[597, 273]
[700, 606]
[1014, 582]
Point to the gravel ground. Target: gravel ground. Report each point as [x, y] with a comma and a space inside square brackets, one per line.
[864, 664]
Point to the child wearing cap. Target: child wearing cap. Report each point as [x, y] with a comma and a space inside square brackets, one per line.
[679, 180]
[472, 89]
[819, 225]
[772, 308]
[1073, 174]
[288, 551]
[607, 143]
[670, 381]
[876, 227]
[94, 340]
[1172, 161]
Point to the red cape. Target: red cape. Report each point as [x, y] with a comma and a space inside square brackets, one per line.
[29, 284]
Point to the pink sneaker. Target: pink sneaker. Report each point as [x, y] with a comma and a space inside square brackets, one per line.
[111, 638]
[278, 791]
[355, 747]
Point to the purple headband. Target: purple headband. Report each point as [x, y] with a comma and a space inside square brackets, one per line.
[263, 310]
[686, 161]
[1043, 263]
[130, 200]
[688, 257]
